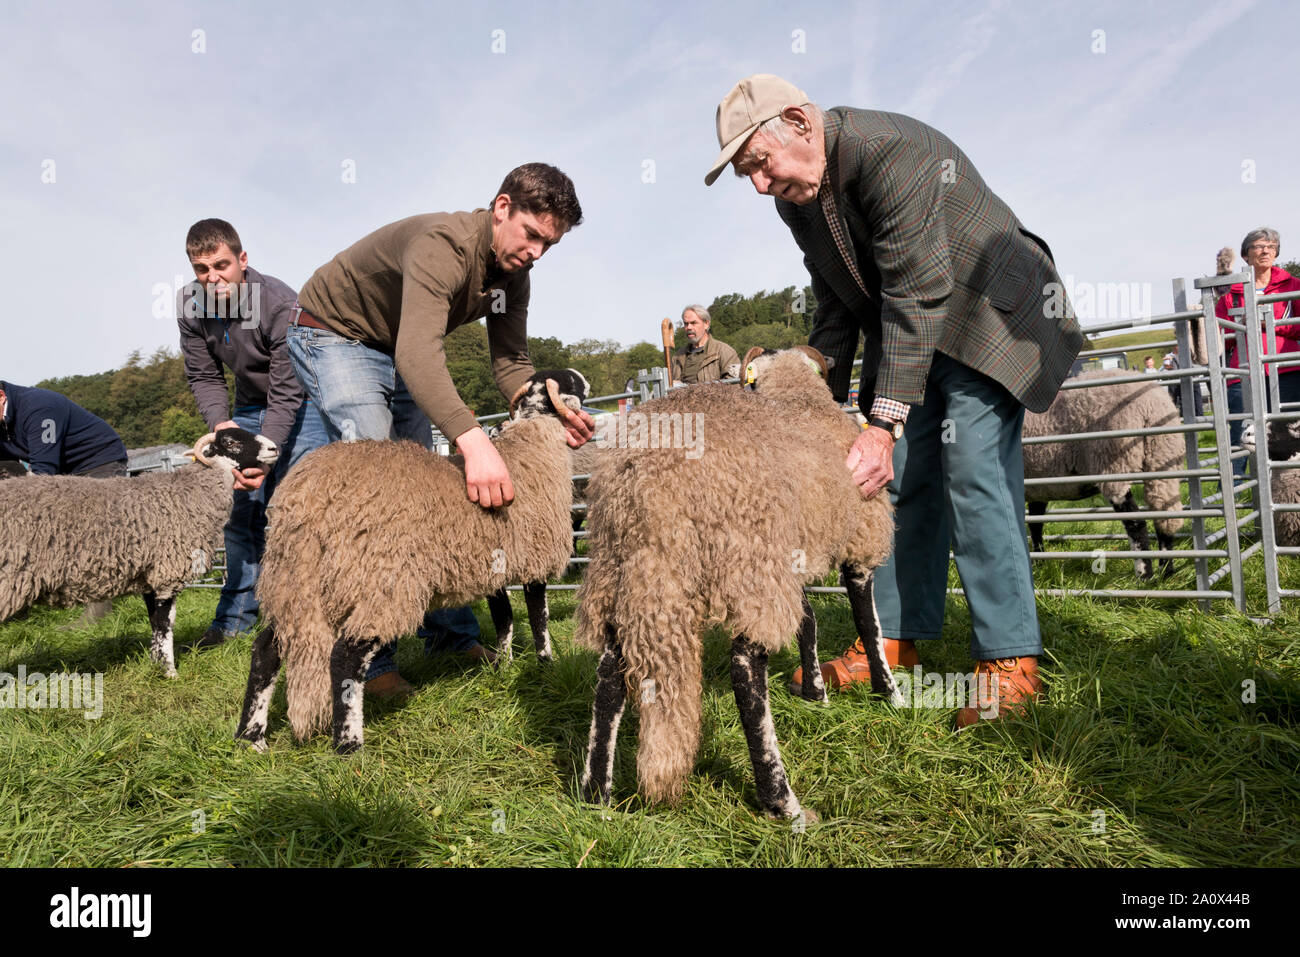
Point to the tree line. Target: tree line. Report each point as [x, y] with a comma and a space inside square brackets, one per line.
[148, 400]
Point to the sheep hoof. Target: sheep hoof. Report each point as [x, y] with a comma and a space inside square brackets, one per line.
[347, 747]
[169, 672]
[254, 744]
[799, 820]
[816, 696]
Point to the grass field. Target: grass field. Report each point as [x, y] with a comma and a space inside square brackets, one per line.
[1149, 751]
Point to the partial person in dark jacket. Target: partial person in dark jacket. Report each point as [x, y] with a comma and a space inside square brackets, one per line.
[966, 325]
[234, 317]
[55, 436]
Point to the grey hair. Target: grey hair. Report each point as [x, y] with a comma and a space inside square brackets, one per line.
[779, 129]
[699, 311]
[1262, 233]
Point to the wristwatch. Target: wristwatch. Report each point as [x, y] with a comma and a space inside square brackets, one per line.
[889, 425]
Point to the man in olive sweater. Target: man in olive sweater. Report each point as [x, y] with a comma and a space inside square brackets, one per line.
[367, 341]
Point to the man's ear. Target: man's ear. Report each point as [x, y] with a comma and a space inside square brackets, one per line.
[501, 208]
[796, 117]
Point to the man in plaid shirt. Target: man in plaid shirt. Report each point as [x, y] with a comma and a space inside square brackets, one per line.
[966, 326]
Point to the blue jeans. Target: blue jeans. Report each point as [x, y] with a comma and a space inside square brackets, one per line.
[361, 396]
[449, 629]
[246, 531]
[1288, 390]
[959, 476]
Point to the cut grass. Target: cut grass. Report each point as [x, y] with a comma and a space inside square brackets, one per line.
[1149, 752]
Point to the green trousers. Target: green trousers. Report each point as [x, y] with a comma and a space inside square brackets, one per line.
[959, 479]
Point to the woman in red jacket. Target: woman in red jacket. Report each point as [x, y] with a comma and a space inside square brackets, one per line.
[1260, 249]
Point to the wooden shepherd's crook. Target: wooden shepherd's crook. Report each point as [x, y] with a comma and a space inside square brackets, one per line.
[666, 327]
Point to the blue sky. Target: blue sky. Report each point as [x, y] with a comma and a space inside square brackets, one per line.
[1128, 161]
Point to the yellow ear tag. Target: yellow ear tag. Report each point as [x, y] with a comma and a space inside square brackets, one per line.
[750, 375]
[812, 365]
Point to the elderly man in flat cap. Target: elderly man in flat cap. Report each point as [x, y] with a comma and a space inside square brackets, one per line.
[966, 326]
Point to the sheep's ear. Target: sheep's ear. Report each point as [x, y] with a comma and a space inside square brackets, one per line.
[751, 355]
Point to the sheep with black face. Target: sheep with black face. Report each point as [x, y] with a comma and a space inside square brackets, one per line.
[69, 539]
[364, 537]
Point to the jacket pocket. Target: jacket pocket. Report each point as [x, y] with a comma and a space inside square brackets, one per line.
[1023, 276]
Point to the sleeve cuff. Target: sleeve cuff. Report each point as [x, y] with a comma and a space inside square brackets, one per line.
[889, 409]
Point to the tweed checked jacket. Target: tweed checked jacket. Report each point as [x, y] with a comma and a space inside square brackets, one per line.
[947, 266]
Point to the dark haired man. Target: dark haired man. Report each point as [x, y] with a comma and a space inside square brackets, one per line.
[367, 341]
[233, 317]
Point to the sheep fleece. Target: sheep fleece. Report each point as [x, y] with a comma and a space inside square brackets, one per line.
[731, 536]
[365, 536]
[1125, 405]
[68, 539]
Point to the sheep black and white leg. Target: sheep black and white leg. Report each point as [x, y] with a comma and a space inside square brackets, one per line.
[162, 618]
[857, 581]
[1036, 528]
[606, 713]
[503, 621]
[814, 688]
[349, 661]
[539, 618]
[1165, 542]
[1137, 534]
[749, 684]
[261, 685]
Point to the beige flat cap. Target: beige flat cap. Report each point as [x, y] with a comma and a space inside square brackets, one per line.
[750, 103]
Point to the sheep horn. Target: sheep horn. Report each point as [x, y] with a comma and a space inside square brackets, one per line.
[519, 394]
[199, 456]
[816, 357]
[553, 390]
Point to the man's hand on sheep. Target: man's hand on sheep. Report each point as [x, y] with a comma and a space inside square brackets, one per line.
[248, 479]
[871, 460]
[487, 481]
[579, 427]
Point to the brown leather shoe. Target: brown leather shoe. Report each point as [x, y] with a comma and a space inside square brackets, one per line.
[482, 653]
[1001, 687]
[390, 686]
[853, 666]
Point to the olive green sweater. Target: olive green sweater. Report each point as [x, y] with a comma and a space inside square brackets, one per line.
[401, 289]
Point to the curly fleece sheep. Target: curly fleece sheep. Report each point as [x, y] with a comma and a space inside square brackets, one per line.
[730, 535]
[366, 536]
[1126, 405]
[1283, 446]
[68, 540]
